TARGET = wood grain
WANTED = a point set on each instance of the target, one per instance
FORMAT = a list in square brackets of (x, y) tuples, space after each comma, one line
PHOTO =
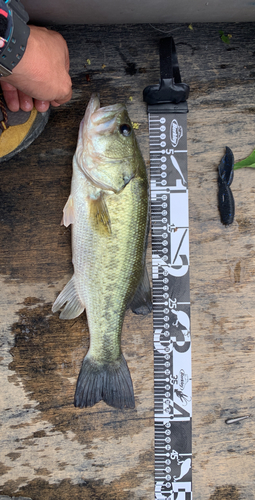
[(49, 449)]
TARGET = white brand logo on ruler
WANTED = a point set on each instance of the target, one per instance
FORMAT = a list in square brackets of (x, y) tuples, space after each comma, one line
[(176, 132)]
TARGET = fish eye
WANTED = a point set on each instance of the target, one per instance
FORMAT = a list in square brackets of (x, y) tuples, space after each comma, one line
[(125, 129)]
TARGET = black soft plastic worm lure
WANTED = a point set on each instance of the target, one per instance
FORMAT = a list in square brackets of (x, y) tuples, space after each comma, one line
[(225, 196)]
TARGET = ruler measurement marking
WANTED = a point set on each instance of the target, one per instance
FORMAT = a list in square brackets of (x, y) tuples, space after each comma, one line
[(170, 263)]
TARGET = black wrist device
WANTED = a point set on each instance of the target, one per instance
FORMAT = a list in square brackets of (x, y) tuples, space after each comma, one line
[(17, 41)]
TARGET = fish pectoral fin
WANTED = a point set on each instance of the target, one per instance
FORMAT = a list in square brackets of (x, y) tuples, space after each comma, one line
[(100, 215), (68, 212), (141, 303), (68, 296)]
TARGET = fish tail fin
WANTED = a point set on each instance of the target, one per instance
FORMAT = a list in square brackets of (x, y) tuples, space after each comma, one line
[(110, 382), (68, 296)]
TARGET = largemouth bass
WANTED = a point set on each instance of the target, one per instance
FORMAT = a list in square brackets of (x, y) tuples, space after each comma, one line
[(108, 210)]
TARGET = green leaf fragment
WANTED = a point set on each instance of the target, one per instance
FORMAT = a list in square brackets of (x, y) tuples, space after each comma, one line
[(224, 38), (247, 162)]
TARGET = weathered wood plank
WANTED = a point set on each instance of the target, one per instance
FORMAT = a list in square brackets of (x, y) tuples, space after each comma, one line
[(49, 449)]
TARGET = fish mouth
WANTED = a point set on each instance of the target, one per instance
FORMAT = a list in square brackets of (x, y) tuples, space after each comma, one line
[(106, 112), (102, 120)]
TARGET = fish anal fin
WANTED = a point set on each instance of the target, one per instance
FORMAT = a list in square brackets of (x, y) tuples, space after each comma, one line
[(141, 302), (68, 212), (110, 382), (68, 297), (99, 214)]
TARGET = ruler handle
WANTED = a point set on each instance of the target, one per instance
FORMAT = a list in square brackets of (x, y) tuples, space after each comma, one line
[(169, 67), (170, 88)]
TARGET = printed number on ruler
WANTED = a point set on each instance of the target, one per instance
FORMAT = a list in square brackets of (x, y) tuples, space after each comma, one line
[(171, 306)]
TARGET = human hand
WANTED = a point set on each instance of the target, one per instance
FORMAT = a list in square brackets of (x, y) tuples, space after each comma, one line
[(41, 77)]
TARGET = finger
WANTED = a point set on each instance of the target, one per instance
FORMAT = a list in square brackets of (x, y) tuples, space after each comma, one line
[(11, 96), (64, 99), (25, 101), (41, 106), (55, 104), (7, 86)]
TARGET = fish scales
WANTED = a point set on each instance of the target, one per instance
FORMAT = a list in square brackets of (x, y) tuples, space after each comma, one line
[(108, 209), (109, 267)]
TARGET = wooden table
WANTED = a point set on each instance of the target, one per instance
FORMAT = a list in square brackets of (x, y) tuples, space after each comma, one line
[(49, 449)]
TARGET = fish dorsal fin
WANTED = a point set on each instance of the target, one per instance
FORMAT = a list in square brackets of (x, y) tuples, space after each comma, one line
[(68, 212), (141, 303), (99, 214)]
